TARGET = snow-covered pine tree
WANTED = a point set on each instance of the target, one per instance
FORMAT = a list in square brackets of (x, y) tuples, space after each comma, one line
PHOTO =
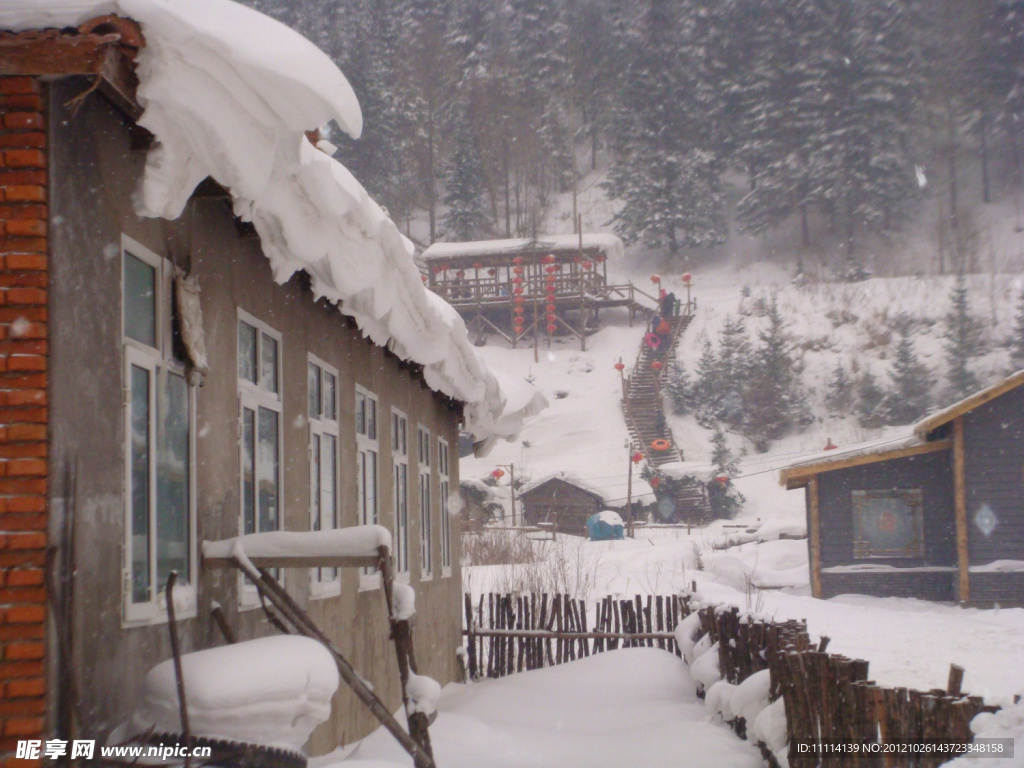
[(706, 386), (870, 402), (466, 217), (678, 388), (773, 400), (962, 342), (839, 392), (723, 496), (1017, 340), (666, 137), (733, 365), (908, 399)]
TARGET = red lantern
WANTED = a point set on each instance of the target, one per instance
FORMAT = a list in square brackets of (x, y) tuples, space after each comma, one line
[(552, 317), (550, 308), (423, 278), (549, 259), (655, 482), (517, 280), (492, 271), (637, 457), (601, 258), (517, 260), (551, 269), (518, 310), (498, 474), (517, 290), (477, 265), (550, 297), (517, 299), (588, 265), (517, 270), (445, 267), (686, 277), (552, 327), (655, 279), (722, 479), (620, 366), (657, 365), (438, 270)]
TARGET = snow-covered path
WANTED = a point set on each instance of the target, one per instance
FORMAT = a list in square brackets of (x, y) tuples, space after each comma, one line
[(631, 707)]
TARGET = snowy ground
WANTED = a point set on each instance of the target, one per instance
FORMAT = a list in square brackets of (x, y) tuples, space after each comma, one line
[(632, 707)]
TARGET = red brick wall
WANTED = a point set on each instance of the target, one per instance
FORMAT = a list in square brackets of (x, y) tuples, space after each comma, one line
[(23, 412)]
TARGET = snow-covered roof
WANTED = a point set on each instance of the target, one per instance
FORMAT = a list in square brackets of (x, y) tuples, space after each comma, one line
[(969, 403), (640, 490), (609, 245), (565, 477), (837, 458), (229, 94)]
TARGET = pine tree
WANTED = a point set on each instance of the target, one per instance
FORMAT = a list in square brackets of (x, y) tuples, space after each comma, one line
[(706, 387), (774, 400), (724, 498), (1017, 341), (870, 402), (466, 216), (962, 342), (733, 364), (668, 153), (679, 389), (839, 394), (909, 397)]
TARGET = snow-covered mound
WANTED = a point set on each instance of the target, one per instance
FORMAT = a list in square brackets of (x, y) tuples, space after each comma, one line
[(272, 691), (229, 94)]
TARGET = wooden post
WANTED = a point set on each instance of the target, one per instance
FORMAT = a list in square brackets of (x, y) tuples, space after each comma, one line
[(960, 509), (512, 489), (814, 536), (629, 495), (179, 674), (956, 679)]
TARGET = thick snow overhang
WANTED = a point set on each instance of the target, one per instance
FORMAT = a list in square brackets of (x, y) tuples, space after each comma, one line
[(229, 95), (798, 475), (932, 422)]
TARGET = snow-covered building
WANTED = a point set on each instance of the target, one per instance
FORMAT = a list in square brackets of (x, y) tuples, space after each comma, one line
[(209, 329), (936, 514), (563, 501)]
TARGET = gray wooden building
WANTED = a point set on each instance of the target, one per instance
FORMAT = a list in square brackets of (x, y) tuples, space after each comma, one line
[(937, 515), (562, 501)]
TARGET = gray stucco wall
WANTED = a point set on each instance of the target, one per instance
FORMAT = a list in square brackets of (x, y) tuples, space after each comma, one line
[(932, 473), (94, 173)]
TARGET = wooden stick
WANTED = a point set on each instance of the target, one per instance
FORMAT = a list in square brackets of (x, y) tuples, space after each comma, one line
[(179, 676), (956, 679), (562, 635), (222, 624)]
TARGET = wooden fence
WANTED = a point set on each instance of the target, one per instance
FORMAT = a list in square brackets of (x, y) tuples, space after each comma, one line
[(828, 697), (514, 633)]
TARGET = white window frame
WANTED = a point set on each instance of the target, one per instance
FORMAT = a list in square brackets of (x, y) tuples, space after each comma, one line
[(156, 360), (324, 582), (444, 499), (400, 477), (252, 397), (423, 467), (369, 578)]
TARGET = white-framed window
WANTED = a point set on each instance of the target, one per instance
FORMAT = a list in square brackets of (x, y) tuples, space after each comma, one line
[(322, 411), (400, 463), (426, 526), (444, 484), (159, 423), (260, 436), (367, 453)]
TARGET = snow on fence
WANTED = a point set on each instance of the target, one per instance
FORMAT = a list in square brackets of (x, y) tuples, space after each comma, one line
[(514, 633), (824, 697)]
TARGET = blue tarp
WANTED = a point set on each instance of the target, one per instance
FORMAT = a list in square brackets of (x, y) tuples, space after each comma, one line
[(605, 529)]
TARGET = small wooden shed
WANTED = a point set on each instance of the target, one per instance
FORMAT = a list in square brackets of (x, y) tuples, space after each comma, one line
[(562, 500), (937, 514)]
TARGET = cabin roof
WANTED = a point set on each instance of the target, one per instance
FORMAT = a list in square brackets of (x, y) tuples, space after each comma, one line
[(608, 245), (969, 403), (566, 478)]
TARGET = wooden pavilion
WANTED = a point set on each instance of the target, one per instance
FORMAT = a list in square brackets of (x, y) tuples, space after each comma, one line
[(542, 286)]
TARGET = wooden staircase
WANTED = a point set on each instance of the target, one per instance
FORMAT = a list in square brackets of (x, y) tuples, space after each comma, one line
[(645, 418)]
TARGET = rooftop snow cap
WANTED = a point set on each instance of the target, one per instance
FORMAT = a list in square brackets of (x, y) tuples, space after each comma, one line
[(229, 93)]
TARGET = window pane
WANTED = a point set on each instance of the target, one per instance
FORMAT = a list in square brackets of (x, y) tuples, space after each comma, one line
[(425, 530), (329, 481), (313, 385), (172, 489), (371, 419), (267, 469), (139, 300), (268, 363), (249, 470), (246, 352), (140, 458), (371, 488), (360, 414), (401, 518), (314, 483), (330, 397), (446, 535)]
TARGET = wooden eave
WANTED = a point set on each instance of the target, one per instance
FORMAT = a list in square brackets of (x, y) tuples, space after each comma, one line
[(930, 424), (536, 488), (798, 477), (104, 47)]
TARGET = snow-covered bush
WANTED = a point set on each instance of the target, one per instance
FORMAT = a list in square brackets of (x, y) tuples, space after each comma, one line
[(769, 728)]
